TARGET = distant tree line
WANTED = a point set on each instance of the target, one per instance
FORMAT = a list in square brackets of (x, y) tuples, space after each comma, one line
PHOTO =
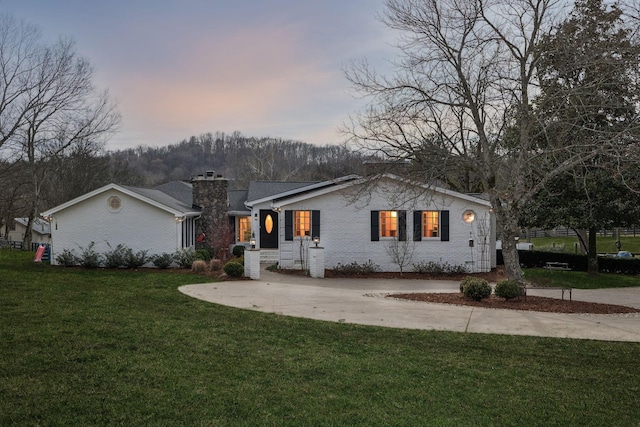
[(240, 159)]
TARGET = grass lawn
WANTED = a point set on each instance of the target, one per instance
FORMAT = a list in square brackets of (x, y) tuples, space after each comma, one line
[(579, 279), (604, 244), (93, 347)]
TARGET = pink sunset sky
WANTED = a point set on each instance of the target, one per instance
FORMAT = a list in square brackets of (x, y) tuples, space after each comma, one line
[(184, 67)]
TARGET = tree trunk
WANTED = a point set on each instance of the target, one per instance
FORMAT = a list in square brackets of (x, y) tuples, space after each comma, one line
[(510, 231), (592, 254), (28, 234)]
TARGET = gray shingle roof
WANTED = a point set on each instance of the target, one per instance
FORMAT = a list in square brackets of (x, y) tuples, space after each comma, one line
[(236, 201), (262, 189), (165, 198)]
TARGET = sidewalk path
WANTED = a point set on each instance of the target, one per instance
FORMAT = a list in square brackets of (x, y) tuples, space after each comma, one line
[(361, 301)]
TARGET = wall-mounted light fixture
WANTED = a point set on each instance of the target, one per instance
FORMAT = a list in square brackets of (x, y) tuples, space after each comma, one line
[(252, 241), (316, 240), (468, 216)]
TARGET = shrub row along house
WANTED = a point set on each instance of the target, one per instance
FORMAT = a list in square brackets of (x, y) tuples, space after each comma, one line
[(386, 221)]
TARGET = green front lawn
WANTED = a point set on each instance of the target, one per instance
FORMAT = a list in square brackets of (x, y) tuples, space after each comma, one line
[(94, 347), (579, 279), (605, 245)]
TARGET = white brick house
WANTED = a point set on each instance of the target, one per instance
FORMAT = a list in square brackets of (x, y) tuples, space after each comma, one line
[(356, 220), (363, 221)]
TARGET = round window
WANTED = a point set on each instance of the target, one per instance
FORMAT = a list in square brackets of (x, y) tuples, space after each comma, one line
[(114, 203)]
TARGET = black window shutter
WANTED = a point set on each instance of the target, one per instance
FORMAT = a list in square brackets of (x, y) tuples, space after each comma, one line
[(402, 226), (444, 226), (375, 226), (315, 224), (417, 226), (288, 225)]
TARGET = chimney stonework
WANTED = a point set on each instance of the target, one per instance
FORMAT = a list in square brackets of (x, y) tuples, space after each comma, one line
[(210, 194)]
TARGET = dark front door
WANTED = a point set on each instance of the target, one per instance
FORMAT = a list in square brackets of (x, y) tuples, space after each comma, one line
[(268, 229)]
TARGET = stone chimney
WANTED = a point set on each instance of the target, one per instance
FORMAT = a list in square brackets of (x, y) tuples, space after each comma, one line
[(210, 194)]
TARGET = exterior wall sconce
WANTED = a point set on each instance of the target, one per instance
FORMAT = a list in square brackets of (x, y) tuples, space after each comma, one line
[(252, 242), (316, 241)]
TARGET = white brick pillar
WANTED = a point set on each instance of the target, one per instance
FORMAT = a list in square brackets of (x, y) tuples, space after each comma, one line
[(252, 263), (316, 262)]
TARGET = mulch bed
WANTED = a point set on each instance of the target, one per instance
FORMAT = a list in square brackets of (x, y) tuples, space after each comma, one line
[(532, 303)]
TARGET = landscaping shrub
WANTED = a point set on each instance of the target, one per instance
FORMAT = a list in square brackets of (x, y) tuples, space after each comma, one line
[(162, 260), (89, 257), (507, 289), (233, 269), (185, 257), (68, 258), (354, 269), (475, 288), (238, 250), (204, 254), (215, 265), (115, 257), (432, 267), (137, 259), (199, 266)]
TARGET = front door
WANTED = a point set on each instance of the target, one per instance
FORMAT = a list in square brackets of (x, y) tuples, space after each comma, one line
[(268, 229)]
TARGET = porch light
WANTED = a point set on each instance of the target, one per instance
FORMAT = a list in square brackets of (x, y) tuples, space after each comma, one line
[(316, 240), (252, 241)]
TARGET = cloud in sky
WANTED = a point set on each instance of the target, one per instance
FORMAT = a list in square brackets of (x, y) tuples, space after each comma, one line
[(181, 68)]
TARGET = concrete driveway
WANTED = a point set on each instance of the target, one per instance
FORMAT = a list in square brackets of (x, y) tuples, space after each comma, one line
[(362, 301)]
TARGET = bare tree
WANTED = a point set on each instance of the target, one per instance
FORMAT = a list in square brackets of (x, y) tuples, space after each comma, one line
[(49, 106), (401, 252), (461, 97), (65, 114)]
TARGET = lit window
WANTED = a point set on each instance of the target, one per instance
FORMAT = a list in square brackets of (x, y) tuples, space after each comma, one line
[(114, 203), (302, 223), (388, 223), (244, 228), (430, 224)]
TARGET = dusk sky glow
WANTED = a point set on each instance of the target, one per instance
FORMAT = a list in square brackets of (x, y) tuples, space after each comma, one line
[(184, 67)]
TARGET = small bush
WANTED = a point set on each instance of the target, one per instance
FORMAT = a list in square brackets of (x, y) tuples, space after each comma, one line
[(204, 254), (137, 259), (215, 265), (475, 288), (185, 257), (68, 258), (233, 269), (238, 250), (507, 289), (89, 257), (162, 260), (432, 267), (199, 266), (355, 269), (115, 257)]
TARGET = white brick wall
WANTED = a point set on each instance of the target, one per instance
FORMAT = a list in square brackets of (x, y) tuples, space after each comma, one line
[(137, 225), (345, 230)]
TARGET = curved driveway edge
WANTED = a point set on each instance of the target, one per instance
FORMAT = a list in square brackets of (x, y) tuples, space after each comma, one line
[(362, 301)]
